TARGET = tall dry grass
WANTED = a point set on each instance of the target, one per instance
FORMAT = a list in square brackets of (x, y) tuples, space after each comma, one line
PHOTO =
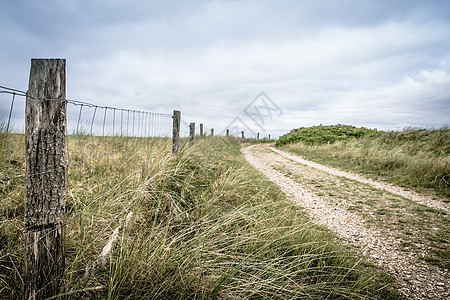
[(204, 225)]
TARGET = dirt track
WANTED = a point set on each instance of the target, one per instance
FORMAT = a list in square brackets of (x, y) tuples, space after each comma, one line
[(334, 198)]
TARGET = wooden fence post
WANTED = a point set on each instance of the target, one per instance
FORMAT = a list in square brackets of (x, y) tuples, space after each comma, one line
[(45, 127), (269, 136), (228, 132), (242, 134), (176, 131), (191, 133), (257, 136), (201, 129), (212, 131)]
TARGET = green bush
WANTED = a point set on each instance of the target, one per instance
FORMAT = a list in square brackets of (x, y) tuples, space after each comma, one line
[(319, 135)]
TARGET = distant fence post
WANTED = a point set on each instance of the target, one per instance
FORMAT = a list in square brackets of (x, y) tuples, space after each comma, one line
[(176, 131), (228, 132), (257, 136), (269, 136), (45, 127), (191, 133), (201, 129), (242, 134), (212, 131)]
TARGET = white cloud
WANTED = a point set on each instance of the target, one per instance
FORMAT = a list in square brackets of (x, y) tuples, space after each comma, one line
[(375, 64)]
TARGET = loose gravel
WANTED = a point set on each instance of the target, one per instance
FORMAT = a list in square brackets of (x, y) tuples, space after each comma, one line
[(427, 201), (415, 278)]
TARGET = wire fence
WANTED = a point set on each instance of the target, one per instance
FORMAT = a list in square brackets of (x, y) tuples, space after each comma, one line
[(71, 174), (184, 128), (102, 144)]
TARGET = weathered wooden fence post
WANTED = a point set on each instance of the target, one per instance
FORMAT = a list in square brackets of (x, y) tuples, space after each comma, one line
[(201, 129), (228, 132), (269, 136), (212, 131), (176, 131), (242, 134), (45, 127), (257, 136), (191, 133)]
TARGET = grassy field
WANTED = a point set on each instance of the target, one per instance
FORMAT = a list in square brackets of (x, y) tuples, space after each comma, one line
[(413, 158), (204, 225)]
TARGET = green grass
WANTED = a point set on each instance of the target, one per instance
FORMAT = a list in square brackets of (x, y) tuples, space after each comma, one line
[(319, 135), (205, 225), (412, 158)]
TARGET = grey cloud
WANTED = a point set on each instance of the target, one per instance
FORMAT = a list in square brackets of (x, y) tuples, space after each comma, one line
[(327, 61)]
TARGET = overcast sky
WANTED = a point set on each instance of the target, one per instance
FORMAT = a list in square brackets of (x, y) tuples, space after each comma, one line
[(379, 64)]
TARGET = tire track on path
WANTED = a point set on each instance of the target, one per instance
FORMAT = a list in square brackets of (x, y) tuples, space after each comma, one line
[(416, 279), (427, 201)]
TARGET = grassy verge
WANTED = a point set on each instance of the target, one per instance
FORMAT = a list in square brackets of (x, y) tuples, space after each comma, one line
[(205, 225), (415, 159)]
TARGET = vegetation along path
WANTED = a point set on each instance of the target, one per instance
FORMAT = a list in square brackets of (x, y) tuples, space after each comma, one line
[(402, 232)]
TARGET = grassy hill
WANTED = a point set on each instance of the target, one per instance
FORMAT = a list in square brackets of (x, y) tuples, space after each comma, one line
[(318, 135)]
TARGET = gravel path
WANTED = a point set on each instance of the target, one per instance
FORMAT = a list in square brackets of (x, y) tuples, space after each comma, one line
[(416, 279), (433, 203)]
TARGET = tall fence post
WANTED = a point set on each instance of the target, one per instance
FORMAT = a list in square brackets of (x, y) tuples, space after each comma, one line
[(191, 133), (228, 132), (257, 136), (242, 133), (45, 127), (176, 131), (201, 129), (212, 131)]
